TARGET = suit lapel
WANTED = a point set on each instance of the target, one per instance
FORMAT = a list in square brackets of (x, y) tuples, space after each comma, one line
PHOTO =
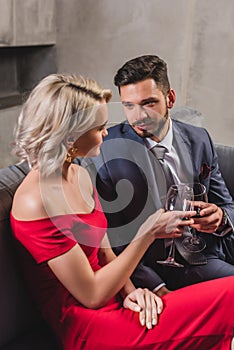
[(183, 147), (148, 164)]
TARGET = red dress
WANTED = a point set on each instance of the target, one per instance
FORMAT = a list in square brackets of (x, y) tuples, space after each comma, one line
[(196, 317)]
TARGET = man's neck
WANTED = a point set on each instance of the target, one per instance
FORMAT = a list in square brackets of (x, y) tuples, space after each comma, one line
[(163, 132)]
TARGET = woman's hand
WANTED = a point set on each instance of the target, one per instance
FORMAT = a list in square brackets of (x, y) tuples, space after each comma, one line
[(168, 224), (147, 304)]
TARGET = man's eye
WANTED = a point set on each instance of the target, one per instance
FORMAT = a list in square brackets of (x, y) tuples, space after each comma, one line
[(128, 105), (150, 104)]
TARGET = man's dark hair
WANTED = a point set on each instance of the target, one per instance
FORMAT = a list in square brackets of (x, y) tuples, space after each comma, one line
[(141, 68)]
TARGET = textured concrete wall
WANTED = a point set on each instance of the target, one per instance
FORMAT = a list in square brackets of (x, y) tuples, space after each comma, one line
[(211, 69), (195, 37), (27, 22), (6, 21), (24, 24), (7, 123), (101, 35)]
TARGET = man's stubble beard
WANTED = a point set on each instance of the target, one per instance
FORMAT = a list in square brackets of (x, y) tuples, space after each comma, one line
[(161, 125)]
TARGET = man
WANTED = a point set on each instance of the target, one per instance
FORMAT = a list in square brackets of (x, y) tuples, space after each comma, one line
[(132, 182)]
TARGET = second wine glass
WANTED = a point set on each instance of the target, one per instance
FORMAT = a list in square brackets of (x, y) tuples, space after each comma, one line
[(179, 197), (196, 243)]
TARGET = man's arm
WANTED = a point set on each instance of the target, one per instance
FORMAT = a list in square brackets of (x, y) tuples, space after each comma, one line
[(218, 215), (144, 276), (206, 168)]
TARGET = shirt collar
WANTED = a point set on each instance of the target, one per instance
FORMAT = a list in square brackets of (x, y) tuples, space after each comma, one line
[(166, 141)]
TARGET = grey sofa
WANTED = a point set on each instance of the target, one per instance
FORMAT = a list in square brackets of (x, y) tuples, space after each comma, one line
[(226, 164), (21, 327)]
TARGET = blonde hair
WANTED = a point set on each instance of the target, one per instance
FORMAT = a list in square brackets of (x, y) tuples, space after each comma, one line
[(58, 105)]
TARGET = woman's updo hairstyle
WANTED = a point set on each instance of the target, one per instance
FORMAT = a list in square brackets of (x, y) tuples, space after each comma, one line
[(57, 106)]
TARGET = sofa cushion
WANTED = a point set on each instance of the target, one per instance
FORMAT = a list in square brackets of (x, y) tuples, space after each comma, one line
[(10, 178), (21, 326)]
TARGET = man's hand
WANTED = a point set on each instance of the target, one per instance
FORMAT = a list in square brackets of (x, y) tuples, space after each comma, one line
[(162, 291), (147, 304), (210, 217)]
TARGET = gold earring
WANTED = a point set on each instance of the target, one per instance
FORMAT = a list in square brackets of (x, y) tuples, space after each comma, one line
[(70, 155)]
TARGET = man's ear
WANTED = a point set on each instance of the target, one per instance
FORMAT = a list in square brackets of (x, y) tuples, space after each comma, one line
[(170, 98)]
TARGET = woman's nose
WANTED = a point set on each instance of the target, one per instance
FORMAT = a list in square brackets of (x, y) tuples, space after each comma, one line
[(105, 133)]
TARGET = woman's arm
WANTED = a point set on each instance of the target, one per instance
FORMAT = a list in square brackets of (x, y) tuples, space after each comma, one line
[(143, 301), (106, 255), (94, 289)]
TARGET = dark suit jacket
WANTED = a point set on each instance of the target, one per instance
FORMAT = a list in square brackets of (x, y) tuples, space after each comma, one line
[(131, 186)]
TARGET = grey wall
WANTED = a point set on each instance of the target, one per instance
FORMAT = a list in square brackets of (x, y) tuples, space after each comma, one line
[(195, 37), (27, 36)]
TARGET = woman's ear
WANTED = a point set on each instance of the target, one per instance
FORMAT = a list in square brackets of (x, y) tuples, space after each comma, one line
[(171, 97), (69, 141)]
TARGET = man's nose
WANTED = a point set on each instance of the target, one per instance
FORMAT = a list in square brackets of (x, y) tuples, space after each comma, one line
[(140, 112)]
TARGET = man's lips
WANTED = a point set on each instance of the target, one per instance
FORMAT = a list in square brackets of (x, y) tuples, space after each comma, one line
[(143, 125)]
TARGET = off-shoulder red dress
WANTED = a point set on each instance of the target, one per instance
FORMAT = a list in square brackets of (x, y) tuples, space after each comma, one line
[(196, 317)]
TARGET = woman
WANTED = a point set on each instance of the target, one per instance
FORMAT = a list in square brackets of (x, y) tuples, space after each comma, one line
[(83, 290)]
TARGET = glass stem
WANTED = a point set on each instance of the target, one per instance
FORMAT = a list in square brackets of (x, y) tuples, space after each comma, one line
[(194, 238), (171, 254)]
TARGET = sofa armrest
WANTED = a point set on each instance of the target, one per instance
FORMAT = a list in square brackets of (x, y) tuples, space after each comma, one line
[(21, 326), (226, 161)]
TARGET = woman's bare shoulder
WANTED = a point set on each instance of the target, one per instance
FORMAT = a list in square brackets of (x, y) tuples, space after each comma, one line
[(27, 202)]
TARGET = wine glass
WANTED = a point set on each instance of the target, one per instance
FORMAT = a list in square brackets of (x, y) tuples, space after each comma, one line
[(179, 197), (195, 243)]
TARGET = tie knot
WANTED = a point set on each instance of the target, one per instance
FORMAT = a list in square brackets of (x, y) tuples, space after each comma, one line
[(159, 152)]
